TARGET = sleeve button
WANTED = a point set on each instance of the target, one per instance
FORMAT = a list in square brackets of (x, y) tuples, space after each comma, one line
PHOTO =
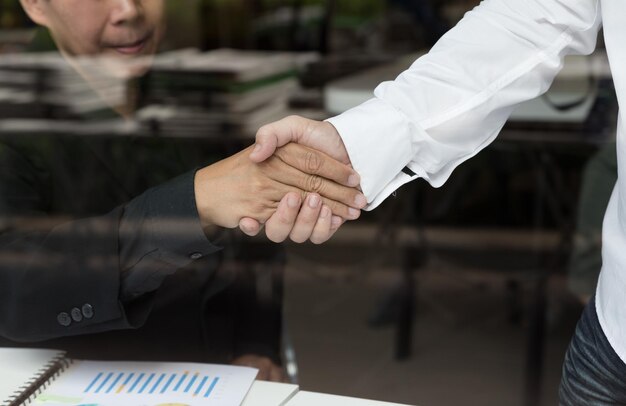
[(64, 319), (87, 311), (196, 255), (77, 315)]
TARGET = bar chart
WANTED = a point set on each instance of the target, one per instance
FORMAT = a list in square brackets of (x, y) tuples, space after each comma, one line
[(147, 383), (189, 383)]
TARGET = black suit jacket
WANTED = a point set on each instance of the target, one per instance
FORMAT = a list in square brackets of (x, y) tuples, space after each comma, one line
[(100, 255)]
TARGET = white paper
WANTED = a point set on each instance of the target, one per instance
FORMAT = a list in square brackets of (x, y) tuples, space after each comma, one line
[(94, 383)]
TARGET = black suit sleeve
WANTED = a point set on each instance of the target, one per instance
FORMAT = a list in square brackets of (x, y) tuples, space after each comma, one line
[(159, 233), (84, 276)]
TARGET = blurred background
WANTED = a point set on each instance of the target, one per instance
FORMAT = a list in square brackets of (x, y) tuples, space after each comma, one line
[(466, 294)]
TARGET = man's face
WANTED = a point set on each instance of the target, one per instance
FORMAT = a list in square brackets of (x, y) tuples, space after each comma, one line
[(126, 32)]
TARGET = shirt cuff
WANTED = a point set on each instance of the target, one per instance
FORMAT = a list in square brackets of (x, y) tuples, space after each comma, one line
[(378, 140)]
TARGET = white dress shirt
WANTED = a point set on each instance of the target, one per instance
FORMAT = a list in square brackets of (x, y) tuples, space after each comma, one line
[(452, 102)]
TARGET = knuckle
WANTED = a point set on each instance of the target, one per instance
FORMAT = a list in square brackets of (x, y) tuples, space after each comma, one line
[(312, 162), (314, 183), (292, 118), (303, 195)]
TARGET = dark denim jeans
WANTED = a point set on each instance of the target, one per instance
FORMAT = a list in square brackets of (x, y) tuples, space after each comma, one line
[(593, 374)]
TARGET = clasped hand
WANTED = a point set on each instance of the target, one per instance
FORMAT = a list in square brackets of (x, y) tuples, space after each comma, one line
[(297, 192)]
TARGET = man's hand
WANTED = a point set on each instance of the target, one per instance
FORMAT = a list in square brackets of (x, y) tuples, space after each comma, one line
[(290, 221), (268, 371), (236, 187), (319, 135)]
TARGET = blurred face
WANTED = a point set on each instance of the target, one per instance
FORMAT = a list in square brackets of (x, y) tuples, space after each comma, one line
[(125, 32)]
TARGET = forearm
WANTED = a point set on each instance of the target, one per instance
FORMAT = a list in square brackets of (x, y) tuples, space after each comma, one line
[(160, 232), (105, 262)]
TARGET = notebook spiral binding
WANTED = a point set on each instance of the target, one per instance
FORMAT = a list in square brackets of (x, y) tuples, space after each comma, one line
[(46, 375)]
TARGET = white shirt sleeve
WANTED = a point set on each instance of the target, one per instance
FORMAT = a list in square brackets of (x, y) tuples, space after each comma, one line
[(453, 101)]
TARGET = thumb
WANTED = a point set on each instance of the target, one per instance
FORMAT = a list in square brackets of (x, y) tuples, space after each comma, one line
[(249, 226), (275, 135)]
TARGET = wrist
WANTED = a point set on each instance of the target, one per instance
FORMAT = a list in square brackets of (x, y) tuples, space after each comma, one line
[(202, 182), (333, 138)]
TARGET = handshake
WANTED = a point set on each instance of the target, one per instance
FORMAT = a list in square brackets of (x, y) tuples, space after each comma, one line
[(296, 181)]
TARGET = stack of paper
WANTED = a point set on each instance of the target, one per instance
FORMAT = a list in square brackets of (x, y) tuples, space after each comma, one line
[(219, 92), (44, 85)]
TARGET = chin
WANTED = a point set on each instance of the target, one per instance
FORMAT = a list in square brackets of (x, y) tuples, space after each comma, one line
[(136, 70), (129, 68)]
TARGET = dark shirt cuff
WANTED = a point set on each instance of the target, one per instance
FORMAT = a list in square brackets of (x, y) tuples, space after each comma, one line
[(160, 233)]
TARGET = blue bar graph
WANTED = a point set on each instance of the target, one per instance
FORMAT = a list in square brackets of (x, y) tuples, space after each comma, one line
[(156, 383)]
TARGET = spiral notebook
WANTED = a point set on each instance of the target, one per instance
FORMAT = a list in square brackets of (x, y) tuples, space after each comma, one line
[(48, 378), (24, 372)]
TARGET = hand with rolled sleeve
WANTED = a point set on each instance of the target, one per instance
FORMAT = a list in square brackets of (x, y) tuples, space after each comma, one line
[(300, 182)]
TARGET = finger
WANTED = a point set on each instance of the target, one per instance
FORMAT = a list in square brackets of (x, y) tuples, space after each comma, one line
[(321, 232), (341, 210), (279, 225), (307, 218), (286, 174), (263, 374), (276, 191), (274, 135), (336, 222), (249, 226), (276, 374), (314, 162)]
